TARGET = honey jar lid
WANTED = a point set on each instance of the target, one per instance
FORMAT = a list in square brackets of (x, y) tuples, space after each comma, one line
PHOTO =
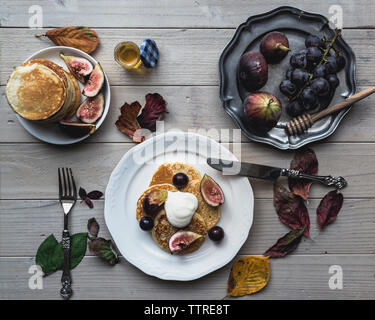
[(149, 53)]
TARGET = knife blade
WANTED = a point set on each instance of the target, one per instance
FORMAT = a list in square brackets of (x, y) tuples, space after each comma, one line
[(246, 169), (260, 171)]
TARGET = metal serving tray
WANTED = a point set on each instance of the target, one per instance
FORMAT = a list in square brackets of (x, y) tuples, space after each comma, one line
[(296, 24)]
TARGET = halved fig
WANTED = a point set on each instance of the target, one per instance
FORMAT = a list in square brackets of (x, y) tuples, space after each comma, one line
[(79, 67), (76, 129), (95, 82), (91, 109), (153, 201), (181, 240), (211, 191)]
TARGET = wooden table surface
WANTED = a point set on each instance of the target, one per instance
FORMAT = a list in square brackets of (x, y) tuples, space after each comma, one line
[(191, 36)]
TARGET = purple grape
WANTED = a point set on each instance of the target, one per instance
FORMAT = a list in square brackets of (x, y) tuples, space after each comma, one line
[(313, 41), (319, 71), (320, 86), (331, 65), (288, 88), (146, 223), (299, 77), (298, 60), (334, 82), (309, 98), (180, 180), (216, 233), (295, 108), (341, 62), (313, 55)]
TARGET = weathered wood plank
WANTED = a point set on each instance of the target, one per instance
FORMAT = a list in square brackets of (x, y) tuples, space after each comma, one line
[(28, 171), (187, 57), (182, 13), (190, 108), (293, 277), (352, 233)]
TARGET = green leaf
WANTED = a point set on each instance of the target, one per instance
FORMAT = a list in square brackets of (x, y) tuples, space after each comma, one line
[(44, 255), (77, 251)]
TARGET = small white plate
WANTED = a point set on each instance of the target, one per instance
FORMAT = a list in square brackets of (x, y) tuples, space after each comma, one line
[(132, 176), (51, 133)]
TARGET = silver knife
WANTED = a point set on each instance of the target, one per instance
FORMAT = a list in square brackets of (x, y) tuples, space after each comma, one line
[(259, 171)]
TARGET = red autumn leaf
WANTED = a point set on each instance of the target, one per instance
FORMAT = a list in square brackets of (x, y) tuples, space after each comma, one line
[(304, 160), (127, 121), (291, 209), (154, 110), (95, 195), (329, 208), (286, 244)]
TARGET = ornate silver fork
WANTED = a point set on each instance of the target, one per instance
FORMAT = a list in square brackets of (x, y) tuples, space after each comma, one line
[(68, 197)]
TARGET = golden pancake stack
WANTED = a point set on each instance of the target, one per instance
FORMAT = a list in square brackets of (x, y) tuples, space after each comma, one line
[(43, 91), (204, 218)]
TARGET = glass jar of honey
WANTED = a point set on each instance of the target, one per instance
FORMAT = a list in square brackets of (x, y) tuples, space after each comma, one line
[(127, 55)]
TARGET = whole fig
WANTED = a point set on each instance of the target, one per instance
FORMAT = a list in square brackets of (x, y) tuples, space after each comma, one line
[(253, 70), (262, 110), (274, 46)]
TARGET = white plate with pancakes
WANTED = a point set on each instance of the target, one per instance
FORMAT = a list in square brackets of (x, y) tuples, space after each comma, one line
[(131, 178), (50, 132)]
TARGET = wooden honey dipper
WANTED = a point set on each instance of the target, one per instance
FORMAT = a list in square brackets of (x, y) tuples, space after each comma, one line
[(302, 123)]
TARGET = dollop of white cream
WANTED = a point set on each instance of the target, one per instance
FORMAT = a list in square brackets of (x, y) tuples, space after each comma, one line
[(180, 208)]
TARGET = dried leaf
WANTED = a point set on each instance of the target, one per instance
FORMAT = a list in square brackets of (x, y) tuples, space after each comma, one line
[(154, 110), (89, 203), (104, 249), (290, 209), (248, 275), (127, 121), (286, 244), (82, 193), (95, 195), (328, 208), (93, 228), (304, 160), (79, 37)]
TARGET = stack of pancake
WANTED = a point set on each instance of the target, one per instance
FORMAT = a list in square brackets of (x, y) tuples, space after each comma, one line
[(43, 91), (204, 218)]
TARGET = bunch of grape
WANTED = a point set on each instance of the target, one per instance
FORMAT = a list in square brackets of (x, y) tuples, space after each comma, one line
[(311, 79)]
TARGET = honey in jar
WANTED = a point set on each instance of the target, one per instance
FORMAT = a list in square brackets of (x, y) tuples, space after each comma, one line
[(127, 55)]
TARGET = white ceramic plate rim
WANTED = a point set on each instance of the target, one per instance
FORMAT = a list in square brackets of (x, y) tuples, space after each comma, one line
[(58, 49), (128, 249)]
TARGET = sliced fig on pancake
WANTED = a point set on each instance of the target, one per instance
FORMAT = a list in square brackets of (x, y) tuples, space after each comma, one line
[(181, 240), (79, 67), (76, 129), (91, 109), (153, 202), (211, 191), (95, 82)]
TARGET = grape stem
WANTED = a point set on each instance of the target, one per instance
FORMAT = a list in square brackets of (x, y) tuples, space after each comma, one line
[(324, 59)]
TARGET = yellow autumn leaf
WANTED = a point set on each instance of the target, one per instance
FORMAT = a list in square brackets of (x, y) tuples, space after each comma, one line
[(248, 275)]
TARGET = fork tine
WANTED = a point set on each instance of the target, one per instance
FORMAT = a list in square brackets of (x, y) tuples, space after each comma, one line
[(60, 185), (73, 183), (69, 186), (64, 182)]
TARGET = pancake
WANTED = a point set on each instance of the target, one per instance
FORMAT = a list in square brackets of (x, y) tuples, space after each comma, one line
[(35, 92), (165, 173), (163, 231), (211, 215), (42, 90), (163, 186), (71, 85), (77, 101)]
